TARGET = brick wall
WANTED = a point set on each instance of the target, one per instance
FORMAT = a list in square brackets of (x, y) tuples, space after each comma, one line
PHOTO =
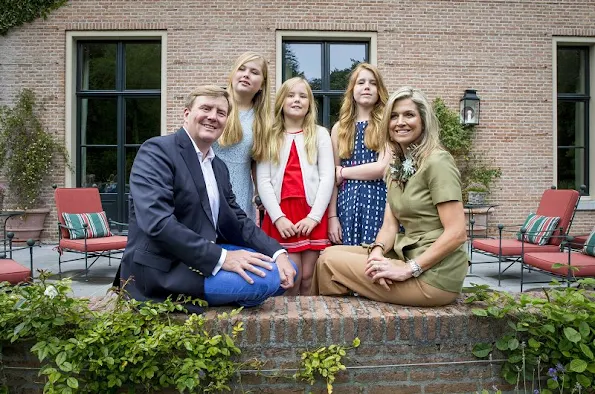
[(501, 48), (403, 350)]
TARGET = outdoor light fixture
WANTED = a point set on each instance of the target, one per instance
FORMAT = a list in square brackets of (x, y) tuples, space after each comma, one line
[(469, 108)]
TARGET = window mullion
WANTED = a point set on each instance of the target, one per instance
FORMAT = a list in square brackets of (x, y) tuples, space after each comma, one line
[(326, 69)]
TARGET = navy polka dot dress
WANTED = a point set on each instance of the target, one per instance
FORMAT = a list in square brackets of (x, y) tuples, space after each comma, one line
[(360, 204)]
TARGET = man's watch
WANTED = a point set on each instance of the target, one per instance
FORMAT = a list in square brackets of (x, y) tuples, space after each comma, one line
[(417, 271)]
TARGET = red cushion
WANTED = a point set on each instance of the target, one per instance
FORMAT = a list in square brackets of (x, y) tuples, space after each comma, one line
[(95, 244), (544, 261), (511, 247), (13, 272), (76, 200), (581, 239), (561, 203)]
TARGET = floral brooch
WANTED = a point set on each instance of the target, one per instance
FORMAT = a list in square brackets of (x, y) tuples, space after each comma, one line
[(402, 170)]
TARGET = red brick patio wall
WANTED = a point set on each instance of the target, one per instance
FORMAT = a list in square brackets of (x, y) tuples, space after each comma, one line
[(403, 350)]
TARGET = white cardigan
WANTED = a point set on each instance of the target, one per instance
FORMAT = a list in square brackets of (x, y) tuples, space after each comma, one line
[(319, 178)]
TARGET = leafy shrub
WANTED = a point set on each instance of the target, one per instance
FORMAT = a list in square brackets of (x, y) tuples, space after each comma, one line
[(458, 140), (27, 150), (132, 345), (551, 338)]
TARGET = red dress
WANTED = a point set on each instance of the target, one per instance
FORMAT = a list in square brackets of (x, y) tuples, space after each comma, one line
[(295, 207)]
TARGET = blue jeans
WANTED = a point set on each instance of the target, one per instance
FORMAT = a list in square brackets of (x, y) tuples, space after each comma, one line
[(227, 287)]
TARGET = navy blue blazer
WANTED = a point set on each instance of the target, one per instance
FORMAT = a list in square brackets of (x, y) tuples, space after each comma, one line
[(172, 240)]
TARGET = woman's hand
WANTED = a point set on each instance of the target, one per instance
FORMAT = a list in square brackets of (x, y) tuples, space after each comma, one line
[(376, 254), (388, 269), (335, 232), (286, 227), (339, 175), (305, 226)]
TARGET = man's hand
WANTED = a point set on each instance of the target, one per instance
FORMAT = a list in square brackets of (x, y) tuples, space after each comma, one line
[(240, 261), (286, 227), (305, 226), (286, 271), (258, 202)]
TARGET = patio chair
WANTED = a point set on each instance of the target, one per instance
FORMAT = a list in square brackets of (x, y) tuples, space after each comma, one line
[(577, 242), (84, 228), (567, 265), (553, 204), (11, 271)]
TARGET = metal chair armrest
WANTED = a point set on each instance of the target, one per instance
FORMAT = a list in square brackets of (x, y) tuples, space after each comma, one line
[(118, 223)]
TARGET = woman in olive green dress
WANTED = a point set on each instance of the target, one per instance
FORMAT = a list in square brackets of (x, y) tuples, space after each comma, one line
[(425, 265)]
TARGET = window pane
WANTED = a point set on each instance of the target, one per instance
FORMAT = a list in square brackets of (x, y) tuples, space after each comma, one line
[(571, 123), (98, 121), (99, 169), (571, 70), (143, 119), (98, 71), (335, 109), (304, 60), (571, 133), (320, 105), (130, 155), (571, 170), (343, 59), (143, 65)]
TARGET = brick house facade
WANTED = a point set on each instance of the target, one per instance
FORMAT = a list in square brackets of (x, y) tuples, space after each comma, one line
[(506, 50)]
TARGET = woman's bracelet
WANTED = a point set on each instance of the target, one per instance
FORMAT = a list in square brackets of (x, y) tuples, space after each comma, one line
[(333, 216), (375, 244), (341, 173)]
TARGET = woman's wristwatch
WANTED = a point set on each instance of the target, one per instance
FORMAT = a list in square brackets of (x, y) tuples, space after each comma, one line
[(417, 271)]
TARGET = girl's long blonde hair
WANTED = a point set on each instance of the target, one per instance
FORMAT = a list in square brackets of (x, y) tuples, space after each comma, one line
[(233, 133), (348, 114), (430, 137), (276, 136)]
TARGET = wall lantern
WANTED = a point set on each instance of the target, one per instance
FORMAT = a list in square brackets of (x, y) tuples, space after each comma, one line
[(469, 108)]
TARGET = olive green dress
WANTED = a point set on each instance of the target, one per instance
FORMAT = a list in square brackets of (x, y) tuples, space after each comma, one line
[(340, 269), (437, 181)]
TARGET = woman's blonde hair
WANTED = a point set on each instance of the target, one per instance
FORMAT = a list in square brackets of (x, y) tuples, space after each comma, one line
[(430, 137), (276, 136), (348, 114), (233, 133)]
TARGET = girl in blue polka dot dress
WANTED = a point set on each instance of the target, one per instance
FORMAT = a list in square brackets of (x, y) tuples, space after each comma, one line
[(361, 158)]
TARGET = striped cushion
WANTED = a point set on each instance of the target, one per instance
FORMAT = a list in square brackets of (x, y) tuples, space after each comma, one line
[(539, 229), (589, 247), (97, 225)]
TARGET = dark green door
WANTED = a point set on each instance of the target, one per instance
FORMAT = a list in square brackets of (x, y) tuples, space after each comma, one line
[(118, 108)]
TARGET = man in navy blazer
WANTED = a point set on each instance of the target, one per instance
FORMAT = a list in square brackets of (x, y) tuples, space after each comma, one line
[(187, 235)]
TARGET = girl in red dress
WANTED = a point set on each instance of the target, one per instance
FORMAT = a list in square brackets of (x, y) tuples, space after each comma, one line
[(296, 182)]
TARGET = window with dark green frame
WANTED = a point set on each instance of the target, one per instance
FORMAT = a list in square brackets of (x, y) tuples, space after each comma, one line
[(118, 93), (326, 66), (573, 116)]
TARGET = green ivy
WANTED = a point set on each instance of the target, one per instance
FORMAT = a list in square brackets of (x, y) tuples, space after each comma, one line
[(27, 150), (131, 345), (324, 362), (17, 13), (550, 343), (458, 140)]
